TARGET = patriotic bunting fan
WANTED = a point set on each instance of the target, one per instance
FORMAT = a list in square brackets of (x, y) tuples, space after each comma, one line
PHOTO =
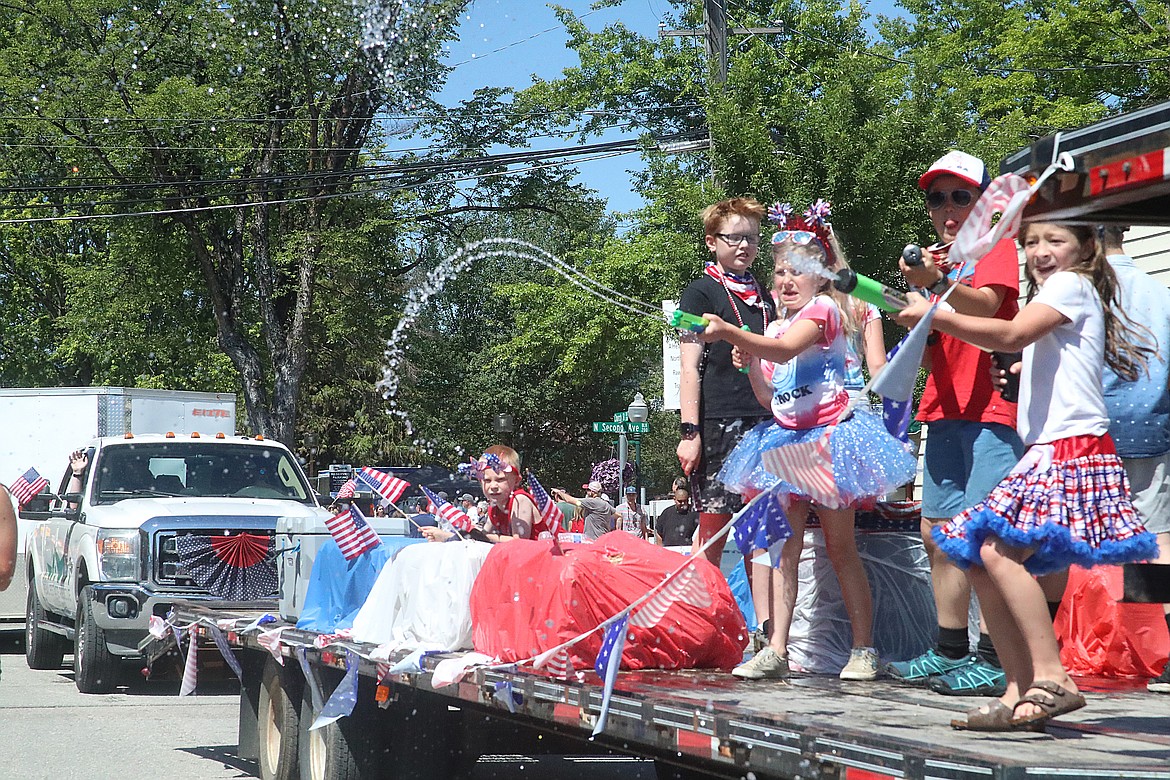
[(239, 567)]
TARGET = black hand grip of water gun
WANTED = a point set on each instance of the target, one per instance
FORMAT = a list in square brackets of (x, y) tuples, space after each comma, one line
[(1004, 361)]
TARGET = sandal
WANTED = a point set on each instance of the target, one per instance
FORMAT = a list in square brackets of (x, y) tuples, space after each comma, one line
[(997, 718), (1054, 701)]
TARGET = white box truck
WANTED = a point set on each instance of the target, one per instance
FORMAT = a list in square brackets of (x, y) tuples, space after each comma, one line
[(40, 426)]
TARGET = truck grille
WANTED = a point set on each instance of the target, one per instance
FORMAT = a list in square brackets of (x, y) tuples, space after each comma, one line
[(168, 570)]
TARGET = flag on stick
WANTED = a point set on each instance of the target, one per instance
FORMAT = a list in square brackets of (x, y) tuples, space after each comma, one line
[(347, 490), (448, 511), (895, 384), (609, 659), (352, 533), (550, 513), (390, 488), (27, 486)]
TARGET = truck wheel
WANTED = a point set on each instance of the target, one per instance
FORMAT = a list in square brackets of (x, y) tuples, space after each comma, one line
[(323, 754), (95, 668), (277, 724), (42, 649)]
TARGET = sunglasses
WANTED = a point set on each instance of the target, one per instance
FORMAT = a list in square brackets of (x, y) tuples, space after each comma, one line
[(800, 237), (735, 239), (937, 199)]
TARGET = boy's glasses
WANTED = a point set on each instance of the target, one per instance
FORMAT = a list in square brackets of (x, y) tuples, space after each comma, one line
[(735, 239), (937, 199), (801, 237)]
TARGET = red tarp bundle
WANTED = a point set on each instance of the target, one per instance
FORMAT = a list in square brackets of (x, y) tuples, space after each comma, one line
[(527, 600), (1101, 637)]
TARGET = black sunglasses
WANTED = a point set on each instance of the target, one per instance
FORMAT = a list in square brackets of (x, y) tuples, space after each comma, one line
[(961, 198)]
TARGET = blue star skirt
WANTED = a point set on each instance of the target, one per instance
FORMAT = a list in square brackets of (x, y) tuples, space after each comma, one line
[(1068, 501), (865, 460)]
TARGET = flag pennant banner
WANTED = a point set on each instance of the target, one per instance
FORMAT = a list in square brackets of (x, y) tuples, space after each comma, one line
[(190, 668), (26, 487), (807, 466), (448, 511), (344, 697), (237, 567), (762, 525), (347, 490), (895, 383), (388, 487), (226, 652), (550, 513), (315, 697), (556, 662), (506, 696), (352, 533), (609, 660), (271, 641), (683, 587), (996, 216)]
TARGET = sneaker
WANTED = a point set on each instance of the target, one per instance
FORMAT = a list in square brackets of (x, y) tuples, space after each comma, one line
[(863, 664), (766, 665), (977, 678), (1161, 683), (918, 671)]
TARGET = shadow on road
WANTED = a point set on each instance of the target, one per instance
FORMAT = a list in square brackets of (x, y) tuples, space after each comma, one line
[(225, 755)]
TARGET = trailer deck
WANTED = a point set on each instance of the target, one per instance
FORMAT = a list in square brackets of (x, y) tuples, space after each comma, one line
[(809, 727)]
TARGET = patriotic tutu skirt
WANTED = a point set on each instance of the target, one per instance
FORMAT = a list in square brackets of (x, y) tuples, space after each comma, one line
[(834, 466), (1068, 501)]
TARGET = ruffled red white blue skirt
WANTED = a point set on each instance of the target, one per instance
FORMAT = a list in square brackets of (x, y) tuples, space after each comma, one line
[(1069, 501)]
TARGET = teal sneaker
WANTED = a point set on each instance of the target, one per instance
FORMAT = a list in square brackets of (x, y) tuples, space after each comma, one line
[(919, 671), (977, 678)]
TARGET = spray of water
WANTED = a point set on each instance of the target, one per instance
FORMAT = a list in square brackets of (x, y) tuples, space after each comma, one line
[(418, 297)]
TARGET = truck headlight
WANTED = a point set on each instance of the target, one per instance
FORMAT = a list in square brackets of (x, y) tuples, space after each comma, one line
[(117, 555)]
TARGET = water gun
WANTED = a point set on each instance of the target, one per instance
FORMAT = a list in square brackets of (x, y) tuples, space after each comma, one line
[(696, 324), (869, 290)]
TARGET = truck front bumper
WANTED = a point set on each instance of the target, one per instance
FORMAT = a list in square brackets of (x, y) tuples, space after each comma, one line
[(123, 610)]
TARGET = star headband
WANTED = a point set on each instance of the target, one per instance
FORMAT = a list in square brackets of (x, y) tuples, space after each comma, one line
[(812, 225), (476, 467)]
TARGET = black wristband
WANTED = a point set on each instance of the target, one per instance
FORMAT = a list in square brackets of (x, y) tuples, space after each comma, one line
[(688, 428)]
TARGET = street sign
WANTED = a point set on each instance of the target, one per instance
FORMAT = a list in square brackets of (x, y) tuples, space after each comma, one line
[(621, 427), (621, 416)]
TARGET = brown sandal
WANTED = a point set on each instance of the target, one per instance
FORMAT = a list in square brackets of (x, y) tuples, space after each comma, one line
[(997, 718), (1054, 701)]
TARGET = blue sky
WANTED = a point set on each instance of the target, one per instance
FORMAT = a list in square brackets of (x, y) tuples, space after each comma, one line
[(504, 43)]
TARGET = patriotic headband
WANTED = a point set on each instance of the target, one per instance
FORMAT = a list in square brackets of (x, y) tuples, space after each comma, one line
[(812, 225), (476, 467)]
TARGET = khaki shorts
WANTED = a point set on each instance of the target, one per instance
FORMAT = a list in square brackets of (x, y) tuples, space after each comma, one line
[(1149, 482)]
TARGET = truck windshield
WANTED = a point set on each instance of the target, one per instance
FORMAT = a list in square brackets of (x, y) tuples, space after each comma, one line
[(182, 468)]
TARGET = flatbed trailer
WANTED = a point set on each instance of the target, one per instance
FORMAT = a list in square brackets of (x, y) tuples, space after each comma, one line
[(691, 724), (1121, 172)]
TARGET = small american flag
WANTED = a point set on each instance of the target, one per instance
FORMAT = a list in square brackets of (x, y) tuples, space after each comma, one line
[(895, 384), (352, 533), (27, 486), (449, 512), (609, 660), (348, 489), (550, 513), (390, 488)]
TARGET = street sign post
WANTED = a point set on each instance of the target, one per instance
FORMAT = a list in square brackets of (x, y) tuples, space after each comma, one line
[(621, 427)]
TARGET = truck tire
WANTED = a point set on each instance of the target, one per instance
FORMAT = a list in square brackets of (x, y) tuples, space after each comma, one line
[(42, 649), (95, 668), (277, 726), (323, 754)]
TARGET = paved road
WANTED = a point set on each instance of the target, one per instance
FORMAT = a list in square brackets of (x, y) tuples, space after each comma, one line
[(49, 730)]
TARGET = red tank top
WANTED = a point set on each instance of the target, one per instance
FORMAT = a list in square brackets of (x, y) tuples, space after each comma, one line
[(501, 519)]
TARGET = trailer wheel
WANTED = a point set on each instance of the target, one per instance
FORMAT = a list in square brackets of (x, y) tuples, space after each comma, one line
[(95, 668), (323, 754), (42, 649), (277, 724)]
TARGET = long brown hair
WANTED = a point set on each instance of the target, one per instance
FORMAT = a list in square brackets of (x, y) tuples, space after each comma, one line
[(1127, 343)]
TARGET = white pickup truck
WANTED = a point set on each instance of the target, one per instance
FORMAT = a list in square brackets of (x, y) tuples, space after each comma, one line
[(108, 557)]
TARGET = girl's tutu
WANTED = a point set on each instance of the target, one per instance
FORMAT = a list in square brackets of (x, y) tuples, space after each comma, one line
[(866, 461), (1068, 500)]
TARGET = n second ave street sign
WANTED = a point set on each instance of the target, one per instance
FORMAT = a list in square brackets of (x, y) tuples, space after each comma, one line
[(621, 427)]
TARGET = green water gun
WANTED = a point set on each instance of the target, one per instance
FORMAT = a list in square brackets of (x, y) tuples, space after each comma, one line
[(696, 324), (870, 290)]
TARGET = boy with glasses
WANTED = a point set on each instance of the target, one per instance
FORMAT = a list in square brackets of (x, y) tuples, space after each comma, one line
[(718, 405), (972, 442)]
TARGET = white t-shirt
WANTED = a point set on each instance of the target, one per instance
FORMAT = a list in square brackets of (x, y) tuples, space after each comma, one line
[(1060, 388)]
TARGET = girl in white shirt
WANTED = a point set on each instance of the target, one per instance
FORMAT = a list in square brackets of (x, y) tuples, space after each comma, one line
[(1067, 500)]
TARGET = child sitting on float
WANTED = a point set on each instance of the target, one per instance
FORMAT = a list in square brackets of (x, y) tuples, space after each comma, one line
[(512, 511)]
